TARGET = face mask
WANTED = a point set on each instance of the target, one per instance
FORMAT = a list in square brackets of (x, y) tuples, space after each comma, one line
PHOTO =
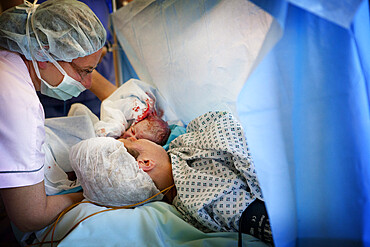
[(67, 89)]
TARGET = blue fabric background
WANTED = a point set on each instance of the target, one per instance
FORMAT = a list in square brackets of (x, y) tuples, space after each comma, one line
[(305, 110)]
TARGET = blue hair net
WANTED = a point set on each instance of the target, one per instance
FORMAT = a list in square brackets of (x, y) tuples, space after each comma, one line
[(65, 29)]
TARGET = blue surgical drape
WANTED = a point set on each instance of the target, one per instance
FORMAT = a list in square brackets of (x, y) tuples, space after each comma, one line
[(305, 109)]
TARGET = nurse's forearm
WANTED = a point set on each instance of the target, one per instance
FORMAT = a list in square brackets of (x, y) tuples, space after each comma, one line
[(101, 87), (30, 209)]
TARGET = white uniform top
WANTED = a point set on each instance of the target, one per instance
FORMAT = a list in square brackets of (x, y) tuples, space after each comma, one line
[(22, 130)]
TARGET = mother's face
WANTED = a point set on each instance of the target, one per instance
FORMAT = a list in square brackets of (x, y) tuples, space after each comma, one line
[(153, 159), (143, 149)]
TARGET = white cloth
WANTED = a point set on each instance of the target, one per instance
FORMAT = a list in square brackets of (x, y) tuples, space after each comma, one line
[(109, 175), (61, 134), (78, 109), (127, 105), (21, 125), (213, 172)]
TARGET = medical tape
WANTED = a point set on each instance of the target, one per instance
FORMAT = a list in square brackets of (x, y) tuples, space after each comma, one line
[(110, 208)]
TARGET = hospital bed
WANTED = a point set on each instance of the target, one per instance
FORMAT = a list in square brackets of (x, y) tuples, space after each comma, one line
[(206, 50)]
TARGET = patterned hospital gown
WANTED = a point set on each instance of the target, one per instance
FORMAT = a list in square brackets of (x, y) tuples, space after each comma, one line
[(213, 172)]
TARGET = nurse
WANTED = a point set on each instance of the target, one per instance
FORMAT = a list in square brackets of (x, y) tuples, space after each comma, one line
[(54, 48)]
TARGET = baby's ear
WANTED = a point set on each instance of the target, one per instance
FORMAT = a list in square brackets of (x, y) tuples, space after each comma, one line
[(146, 165)]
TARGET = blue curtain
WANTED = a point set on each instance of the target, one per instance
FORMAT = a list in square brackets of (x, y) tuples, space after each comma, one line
[(305, 110)]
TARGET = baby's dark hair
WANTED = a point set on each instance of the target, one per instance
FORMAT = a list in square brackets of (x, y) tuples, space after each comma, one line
[(159, 128)]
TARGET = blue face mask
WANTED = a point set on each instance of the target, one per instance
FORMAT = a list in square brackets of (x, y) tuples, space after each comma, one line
[(67, 89)]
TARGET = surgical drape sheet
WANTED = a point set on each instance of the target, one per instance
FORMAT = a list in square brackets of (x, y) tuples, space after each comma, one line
[(192, 49), (306, 113)]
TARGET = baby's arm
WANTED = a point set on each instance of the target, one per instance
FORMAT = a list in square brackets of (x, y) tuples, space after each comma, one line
[(117, 116), (129, 104)]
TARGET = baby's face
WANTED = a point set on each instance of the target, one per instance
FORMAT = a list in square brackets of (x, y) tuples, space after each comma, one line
[(139, 130)]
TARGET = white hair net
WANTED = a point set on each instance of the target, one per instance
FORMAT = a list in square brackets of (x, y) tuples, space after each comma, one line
[(66, 29), (108, 174)]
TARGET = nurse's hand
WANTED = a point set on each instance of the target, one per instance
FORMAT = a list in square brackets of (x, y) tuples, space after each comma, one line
[(30, 209)]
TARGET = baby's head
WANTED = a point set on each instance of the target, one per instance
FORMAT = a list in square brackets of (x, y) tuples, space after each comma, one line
[(152, 128)]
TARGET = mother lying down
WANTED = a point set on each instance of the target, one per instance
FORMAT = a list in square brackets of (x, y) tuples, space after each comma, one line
[(216, 188)]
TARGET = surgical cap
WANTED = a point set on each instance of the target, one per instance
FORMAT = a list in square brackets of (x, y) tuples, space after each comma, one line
[(67, 29), (108, 174)]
